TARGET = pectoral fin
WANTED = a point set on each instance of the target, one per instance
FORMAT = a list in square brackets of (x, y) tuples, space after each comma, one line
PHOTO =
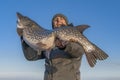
[(29, 53), (40, 45)]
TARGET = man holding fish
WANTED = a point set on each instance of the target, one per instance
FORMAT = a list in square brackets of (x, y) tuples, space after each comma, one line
[(61, 48)]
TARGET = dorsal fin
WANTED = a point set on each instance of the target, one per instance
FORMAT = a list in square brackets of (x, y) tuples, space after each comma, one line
[(81, 28)]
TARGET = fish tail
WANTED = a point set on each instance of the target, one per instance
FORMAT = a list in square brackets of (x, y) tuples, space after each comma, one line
[(96, 54)]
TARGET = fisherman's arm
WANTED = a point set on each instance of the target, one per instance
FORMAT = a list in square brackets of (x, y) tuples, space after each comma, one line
[(74, 49), (29, 53)]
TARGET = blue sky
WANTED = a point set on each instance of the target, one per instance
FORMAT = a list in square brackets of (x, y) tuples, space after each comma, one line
[(102, 15)]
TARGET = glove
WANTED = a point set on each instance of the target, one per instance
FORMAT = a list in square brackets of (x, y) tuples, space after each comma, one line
[(60, 44)]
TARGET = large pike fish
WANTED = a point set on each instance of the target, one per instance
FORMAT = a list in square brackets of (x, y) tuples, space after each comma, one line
[(42, 39)]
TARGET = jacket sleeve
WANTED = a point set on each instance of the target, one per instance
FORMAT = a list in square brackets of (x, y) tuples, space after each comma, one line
[(74, 49), (29, 53)]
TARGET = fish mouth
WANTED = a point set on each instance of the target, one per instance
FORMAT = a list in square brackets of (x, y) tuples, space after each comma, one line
[(19, 16), (19, 25)]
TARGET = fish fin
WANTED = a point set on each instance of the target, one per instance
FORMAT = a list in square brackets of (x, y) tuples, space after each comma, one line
[(91, 59), (31, 54), (81, 28), (100, 54), (40, 45), (95, 55)]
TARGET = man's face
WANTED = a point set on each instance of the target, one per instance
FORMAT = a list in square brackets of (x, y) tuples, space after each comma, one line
[(59, 21)]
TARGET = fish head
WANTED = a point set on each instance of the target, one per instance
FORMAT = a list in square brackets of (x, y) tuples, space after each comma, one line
[(23, 21)]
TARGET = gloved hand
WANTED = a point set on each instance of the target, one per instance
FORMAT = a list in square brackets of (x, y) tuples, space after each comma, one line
[(60, 44)]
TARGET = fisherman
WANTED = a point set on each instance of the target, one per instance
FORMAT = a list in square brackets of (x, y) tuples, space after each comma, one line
[(65, 59), (62, 61)]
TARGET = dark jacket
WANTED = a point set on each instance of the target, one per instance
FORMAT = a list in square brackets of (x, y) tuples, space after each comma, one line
[(62, 65), (29, 53)]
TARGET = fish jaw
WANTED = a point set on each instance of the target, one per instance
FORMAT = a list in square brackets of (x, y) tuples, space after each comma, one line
[(18, 24), (19, 19), (19, 31)]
